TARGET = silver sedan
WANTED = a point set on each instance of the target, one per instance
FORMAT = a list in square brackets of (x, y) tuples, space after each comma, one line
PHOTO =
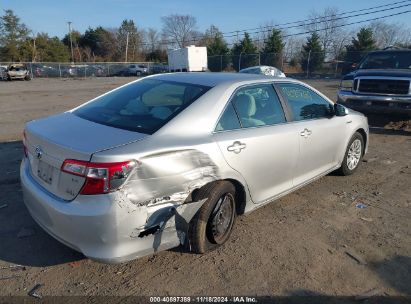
[(173, 159)]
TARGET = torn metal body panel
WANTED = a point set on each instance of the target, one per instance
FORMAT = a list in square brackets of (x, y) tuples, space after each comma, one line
[(169, 177)]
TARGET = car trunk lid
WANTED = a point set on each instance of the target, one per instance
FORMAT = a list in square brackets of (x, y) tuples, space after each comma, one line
[(52, 140)]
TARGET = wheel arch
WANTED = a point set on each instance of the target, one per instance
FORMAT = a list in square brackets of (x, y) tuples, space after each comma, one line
[(240, 193), (240, 196), (364, 137)]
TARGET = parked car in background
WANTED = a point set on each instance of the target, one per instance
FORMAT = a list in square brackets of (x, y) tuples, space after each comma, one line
[(263, 70), (137, 70), (18, 71), (69, 71), (182, 155), (129, 70), (381, 83), (40, 70), (96, 70), (3, 72), (158, 68)]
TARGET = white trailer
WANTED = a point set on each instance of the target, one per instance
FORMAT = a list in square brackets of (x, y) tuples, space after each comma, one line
[(188, 59)]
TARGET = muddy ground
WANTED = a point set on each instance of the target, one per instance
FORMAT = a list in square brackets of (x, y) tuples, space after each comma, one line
[(312, 242)]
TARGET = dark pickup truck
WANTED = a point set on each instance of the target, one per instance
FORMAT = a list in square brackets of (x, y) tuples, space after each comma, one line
[(380, 84)]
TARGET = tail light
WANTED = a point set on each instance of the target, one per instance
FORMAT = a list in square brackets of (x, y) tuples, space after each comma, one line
[(24, 144), (100, 177)]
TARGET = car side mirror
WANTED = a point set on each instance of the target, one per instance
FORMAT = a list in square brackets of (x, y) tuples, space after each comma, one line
[(340, 110)]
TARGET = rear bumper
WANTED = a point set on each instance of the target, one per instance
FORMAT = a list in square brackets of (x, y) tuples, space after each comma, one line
[(102, 227), (375, 103)]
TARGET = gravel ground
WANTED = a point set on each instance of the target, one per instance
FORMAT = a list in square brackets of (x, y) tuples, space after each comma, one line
[(312, 242)]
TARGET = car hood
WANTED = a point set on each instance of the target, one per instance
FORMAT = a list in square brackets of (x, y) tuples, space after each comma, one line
[(382, 73)]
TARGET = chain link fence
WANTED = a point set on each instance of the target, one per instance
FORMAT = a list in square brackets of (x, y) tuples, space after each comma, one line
[(88, 69), (298, 65), (308, 65)]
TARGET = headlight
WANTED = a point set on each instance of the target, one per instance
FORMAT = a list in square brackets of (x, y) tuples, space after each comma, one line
[(346, 84)]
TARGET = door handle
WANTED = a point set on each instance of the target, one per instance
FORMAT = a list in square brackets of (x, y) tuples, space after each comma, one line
[(305, 133), (236, 147)]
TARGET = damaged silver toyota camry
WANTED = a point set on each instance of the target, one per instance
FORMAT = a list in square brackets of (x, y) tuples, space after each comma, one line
[(173, 159)]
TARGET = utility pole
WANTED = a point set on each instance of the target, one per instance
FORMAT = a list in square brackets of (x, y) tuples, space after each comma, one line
[(71, 42), (308, 62), (127, 45), (33, 56)]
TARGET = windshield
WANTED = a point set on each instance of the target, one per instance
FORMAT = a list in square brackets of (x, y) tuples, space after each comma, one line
[(143, 106), (387, 60), (252, 71)]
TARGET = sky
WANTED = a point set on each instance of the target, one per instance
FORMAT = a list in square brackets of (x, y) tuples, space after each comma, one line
[(51, 16)]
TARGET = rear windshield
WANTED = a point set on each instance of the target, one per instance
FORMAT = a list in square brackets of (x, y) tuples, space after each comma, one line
[(143, 106), (387, 60)]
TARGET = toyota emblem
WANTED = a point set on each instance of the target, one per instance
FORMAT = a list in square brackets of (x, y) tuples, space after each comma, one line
[(39, 152)]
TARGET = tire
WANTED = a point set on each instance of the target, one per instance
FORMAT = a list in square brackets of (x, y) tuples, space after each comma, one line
[(353, 149), (27, 78), (205, 234)]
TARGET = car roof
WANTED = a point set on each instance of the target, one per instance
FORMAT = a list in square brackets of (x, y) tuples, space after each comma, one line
[(391, 51), (211, 78), (258, 67)]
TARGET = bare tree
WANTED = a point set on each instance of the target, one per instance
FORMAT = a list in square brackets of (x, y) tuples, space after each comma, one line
[(329, 28), (293, 46), (152, 39), (196, 38), (389, 34), (339, 42), (179, 29)]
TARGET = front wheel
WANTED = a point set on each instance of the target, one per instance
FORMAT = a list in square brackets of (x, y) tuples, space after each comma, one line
[(353, 155), (212, 225)]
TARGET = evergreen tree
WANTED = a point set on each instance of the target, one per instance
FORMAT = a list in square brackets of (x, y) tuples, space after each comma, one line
[(100, 42), (46, 49), (273, 49), (134, 41), (360, 45), (75, 38), (312, 55), (244, 53), (217, 49), (13, 35)]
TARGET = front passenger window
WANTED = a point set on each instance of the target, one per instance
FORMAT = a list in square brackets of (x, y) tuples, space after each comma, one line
[(305, 103)]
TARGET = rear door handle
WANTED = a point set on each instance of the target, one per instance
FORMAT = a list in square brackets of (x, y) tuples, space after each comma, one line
[(236, 147), (305, 133)]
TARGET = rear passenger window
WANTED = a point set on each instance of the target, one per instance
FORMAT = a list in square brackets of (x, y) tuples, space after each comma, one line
[(229, 120), (258, 106), (305, 103)]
